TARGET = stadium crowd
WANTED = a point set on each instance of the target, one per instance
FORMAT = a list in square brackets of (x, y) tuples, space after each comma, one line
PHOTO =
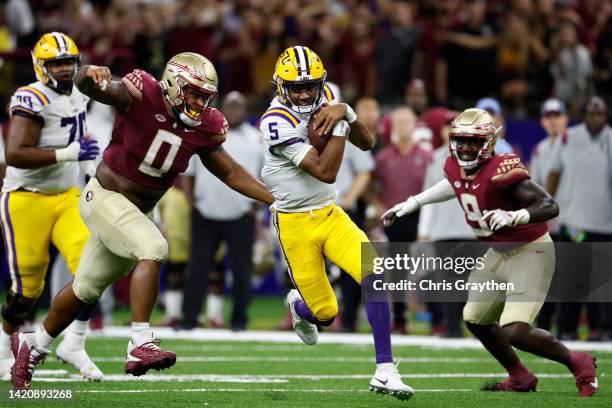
[(406, 67)]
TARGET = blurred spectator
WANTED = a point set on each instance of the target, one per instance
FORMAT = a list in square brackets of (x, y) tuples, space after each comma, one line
[(195, 28), (395, 53), (554, 120), (436, 119), (416, 96), (582, 154), (399, 173), (494, 108), (221, 214), (571, 68), (151, 44), (20, 21)]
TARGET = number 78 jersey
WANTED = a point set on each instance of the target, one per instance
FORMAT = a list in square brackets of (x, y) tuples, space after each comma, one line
[(149, 146), (62, 121), (488, 190)]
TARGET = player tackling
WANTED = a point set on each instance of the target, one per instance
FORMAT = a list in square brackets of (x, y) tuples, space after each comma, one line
[(503, 205), (159, 126), (308, 222)]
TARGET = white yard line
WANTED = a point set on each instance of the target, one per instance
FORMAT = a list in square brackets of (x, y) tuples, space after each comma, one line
[(325, 338), (322, 391)]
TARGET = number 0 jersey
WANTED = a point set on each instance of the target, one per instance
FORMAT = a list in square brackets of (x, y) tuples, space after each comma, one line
[(149, 145), (487, 190), (62, 120)]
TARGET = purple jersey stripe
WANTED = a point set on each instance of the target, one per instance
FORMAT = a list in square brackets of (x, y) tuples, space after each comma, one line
[(279, 115), (292, 141), (37, 97), (10, 225)]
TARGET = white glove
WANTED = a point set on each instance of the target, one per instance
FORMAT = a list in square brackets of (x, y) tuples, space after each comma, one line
[(499, 219), (399, 210)]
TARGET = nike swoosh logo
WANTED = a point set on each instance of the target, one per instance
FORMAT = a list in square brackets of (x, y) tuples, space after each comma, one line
[(387, 380), (595, 383), (475, 186)]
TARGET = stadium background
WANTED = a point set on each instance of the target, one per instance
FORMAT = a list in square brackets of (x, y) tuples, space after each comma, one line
[(510, 50)]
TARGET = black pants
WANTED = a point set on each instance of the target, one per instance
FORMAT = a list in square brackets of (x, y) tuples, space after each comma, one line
[(403, 230), (599, 314), (206, 235)]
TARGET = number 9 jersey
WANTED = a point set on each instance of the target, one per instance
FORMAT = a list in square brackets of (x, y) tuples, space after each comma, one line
[(150, 146), (62, 121)]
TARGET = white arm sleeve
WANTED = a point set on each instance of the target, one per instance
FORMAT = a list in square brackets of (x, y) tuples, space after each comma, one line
[(443, 191), (425, 218)]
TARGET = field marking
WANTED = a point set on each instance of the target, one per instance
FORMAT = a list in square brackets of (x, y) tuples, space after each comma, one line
[(273, 378), (324, 338), (257, 390)]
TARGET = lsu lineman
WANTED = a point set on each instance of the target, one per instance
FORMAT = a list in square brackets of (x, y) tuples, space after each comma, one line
[(309, 224), (39, 201)]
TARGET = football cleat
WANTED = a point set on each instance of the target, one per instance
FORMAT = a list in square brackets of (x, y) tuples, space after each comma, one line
[(583, 367), (27, 357), (79, 359), (526, 383), (148, 356), (387, 380), (305, 330), (5, 368)]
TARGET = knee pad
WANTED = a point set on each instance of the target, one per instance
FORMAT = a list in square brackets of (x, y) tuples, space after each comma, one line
[(87, 290), (15, 309), (326, 314)]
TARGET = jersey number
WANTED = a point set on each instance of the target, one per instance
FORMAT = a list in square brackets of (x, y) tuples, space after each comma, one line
[(148, 164), (75, 122), (473, 213)]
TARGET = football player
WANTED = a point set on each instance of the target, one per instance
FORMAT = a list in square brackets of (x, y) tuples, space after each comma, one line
[(40, 195), (309, 224), (503, 205), (158, 127)]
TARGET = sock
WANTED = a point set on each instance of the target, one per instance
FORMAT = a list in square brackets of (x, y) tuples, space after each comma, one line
[(214, 307), (42, 338), (141, 333), (304, 312), (379, 317), (78, 327), (174, 301), (74, 336), (5, 345), (518, 370)]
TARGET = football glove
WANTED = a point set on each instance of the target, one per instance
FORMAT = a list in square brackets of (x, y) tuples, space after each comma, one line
[(83, 149), (399, 210), (499, 219)]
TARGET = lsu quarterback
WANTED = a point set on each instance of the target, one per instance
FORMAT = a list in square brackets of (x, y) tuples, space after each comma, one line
[(46, 142), (309, 224), (507, 210)]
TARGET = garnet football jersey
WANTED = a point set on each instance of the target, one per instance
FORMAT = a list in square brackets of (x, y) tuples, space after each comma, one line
[(149, 145), (486, 190)]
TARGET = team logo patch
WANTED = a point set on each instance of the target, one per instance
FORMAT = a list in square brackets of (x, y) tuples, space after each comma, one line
[(457, 184), (89, 196), (160, 117)]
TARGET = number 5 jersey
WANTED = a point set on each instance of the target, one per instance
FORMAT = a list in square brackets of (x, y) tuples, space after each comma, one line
[(62, 121)]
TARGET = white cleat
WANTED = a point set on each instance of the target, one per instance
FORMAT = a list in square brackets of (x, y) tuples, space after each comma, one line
[(305, 330), (387, 380), (5, 368), (80, 360)]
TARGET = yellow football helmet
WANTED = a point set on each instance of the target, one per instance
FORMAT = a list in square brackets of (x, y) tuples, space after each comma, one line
[(55, 46), (194, 71), (472, 137), (299, 66)]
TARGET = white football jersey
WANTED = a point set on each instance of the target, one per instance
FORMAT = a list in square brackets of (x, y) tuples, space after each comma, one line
[(286, 136), (63, 121)]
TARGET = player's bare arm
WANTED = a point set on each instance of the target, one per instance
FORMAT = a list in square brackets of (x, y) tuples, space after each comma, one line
[(21, 150), (97, 83), (536, 200), (226, 169), (329, 115), (324, 166)]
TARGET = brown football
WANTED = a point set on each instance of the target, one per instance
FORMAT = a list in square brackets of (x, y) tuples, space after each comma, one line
[(318, 140)]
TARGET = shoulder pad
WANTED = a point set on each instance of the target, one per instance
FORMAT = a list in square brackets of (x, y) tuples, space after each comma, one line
[(28, 99), (329, 94), (510, 170), (283, 113), (135, 83)]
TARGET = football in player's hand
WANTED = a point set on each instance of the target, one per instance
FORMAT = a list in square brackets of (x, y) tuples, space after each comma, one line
[(318, 140)]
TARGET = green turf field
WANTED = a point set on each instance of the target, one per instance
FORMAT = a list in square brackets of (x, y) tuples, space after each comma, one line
[(266, 374)]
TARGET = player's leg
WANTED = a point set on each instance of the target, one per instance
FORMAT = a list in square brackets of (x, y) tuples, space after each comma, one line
[(481, 315), (26, 227), (343, 246), (313, 301), (69, 235), (531, 269)]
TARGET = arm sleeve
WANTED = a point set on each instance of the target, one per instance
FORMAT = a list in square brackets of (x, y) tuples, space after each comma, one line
[(441, 191), (294, 152)]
